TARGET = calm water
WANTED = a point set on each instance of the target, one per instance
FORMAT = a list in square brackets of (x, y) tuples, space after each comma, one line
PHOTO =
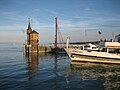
[(52, 72)]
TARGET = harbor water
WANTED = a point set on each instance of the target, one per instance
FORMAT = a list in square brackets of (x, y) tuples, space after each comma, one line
[(19, 71)]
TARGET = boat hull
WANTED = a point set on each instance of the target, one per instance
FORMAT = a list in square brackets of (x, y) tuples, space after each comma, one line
[(93, 57), (80, 58)]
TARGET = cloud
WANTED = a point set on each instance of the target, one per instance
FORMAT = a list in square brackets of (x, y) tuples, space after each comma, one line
[(13, 15), (55, 12), (111, 25), (36, 10), (12, 27), (72, 25)]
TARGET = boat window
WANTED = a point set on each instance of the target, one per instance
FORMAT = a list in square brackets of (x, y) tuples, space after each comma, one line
[(93, 47), (104, 50)]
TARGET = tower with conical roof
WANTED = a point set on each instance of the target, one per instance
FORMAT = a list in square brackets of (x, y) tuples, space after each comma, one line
[(32, 39), (29, 31)]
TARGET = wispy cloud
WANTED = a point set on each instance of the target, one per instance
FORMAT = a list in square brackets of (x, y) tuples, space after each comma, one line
[(13, 15), (12, 28), (72, 25), (36, 10), (111, 25), (55, 12)]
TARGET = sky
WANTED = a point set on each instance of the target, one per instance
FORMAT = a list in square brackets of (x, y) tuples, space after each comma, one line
[(80, 19)]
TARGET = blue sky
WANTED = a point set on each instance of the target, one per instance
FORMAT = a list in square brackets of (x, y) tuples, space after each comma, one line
[(81, 19)]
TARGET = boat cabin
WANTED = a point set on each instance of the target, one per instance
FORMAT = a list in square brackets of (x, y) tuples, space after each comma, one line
[(90, 47), (110, 47)]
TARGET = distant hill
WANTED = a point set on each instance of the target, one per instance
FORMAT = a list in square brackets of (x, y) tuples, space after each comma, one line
[(93, 42)]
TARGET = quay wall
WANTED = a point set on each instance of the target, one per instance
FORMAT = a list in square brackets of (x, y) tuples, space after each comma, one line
[(40, 49)]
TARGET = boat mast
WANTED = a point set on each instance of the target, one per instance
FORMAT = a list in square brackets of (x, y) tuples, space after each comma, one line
[(56, 30)]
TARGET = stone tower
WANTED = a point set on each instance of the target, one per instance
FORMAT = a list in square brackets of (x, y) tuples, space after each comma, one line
[(29, 31), (32, 39)]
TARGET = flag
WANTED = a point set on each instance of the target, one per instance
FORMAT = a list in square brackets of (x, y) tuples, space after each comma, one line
[(99, 32)]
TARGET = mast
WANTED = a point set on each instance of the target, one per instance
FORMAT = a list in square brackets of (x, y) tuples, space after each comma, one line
[(56, 30)]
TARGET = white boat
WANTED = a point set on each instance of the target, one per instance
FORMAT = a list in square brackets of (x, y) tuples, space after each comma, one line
[(108, 56)]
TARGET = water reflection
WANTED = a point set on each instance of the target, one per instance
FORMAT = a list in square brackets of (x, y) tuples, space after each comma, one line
[(108, 75), (32, 64), (59, 78), (55, 64), (55, 72)]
